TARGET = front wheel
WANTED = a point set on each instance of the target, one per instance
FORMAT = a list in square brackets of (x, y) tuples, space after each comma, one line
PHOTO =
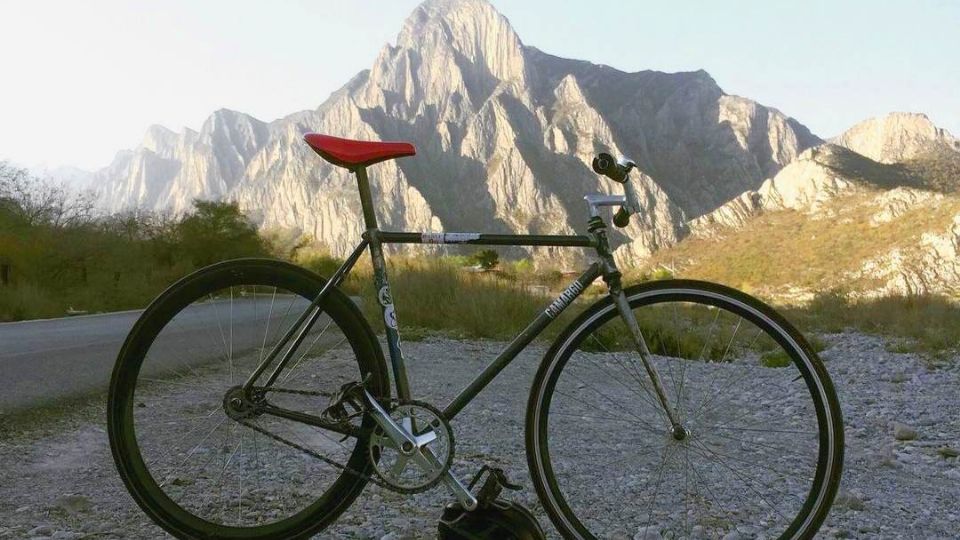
[(759, 447)]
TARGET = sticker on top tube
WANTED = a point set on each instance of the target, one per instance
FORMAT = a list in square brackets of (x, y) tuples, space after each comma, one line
[(448, 238)]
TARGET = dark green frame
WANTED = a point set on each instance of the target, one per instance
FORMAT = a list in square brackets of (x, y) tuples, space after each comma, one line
[(374, 239)]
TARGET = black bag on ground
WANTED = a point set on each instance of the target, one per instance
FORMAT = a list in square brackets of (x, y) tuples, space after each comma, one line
[(493, 519)]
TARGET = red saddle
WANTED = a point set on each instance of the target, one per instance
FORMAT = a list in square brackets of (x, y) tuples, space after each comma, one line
[(351, 154)]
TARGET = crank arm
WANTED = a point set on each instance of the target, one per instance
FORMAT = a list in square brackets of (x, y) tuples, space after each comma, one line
[(401, 435), (463, 495), (466, 499)]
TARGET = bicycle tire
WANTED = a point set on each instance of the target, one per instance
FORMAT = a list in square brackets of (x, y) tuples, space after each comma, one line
[(121, 401), (829, 419)]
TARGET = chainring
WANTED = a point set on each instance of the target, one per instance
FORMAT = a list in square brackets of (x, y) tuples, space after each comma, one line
[(399, 469)]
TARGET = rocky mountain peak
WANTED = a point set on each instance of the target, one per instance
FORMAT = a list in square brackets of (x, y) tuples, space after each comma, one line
[(897, 137), (158, 139), (505, 135), (473, 31), (227, 128)]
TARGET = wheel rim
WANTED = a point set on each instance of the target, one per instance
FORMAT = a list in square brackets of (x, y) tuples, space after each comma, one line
[(190, 454), (744, 459)]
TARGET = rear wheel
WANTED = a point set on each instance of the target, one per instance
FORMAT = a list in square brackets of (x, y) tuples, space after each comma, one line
[(181, 437), (759, 446)]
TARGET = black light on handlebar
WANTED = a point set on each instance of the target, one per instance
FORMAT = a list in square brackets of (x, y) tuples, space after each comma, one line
[(605, 164), (617, 171)]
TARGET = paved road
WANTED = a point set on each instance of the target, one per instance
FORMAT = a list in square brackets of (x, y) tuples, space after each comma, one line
[(48, 360)]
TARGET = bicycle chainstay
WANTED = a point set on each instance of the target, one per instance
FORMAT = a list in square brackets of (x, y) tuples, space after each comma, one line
[(368, 477)]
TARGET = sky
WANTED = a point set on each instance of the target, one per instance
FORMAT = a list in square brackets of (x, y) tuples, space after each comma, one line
[(82, 80)]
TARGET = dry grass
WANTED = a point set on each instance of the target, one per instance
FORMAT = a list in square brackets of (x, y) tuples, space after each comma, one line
[(922, 323), (437, 296), (784, 249), (440, 296)]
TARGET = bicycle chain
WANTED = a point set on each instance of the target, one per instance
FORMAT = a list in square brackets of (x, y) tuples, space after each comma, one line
[(368, 477)]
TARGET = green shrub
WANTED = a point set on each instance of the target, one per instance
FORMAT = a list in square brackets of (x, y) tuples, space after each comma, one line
[(487, 259), (322, 264), (661, 273), (775, 359)]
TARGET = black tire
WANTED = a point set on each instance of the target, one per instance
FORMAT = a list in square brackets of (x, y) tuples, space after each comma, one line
[(591, 500), (124, 399)]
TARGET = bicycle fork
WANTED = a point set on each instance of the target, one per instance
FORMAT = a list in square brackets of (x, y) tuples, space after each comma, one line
[(612, 277), (623, 306)]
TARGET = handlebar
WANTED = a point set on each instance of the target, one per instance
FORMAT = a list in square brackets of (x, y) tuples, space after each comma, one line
[(618, 171)]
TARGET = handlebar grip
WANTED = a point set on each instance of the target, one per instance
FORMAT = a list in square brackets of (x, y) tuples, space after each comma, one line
[(622, 218)]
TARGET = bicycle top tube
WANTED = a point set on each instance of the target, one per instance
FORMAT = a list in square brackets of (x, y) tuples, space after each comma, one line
[(484, 239)]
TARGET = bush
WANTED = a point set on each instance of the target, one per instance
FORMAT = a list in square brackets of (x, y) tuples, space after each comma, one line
[(28, 301), (218, 231), (775, 359), (488, 259), (322, 264), (661, 273), (56, 256)]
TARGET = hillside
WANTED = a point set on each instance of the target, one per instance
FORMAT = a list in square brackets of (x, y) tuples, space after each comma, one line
[(897, 137), (834, 219)]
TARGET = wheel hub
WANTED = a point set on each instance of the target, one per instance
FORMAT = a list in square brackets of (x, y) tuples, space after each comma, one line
[(237, 405), (679, 433)]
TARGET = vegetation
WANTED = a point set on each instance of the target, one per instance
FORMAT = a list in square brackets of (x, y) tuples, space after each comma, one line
[(437, 295), (487, 259), (917, 323), (778, 251), (55, 254)]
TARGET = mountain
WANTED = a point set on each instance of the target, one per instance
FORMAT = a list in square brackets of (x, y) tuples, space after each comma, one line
[(505, 134), (732, 190), (168, 170), (897, 137), (70, 176), (834, 218)]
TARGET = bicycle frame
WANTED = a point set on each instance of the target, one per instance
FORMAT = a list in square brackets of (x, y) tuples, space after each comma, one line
[(374, 239)]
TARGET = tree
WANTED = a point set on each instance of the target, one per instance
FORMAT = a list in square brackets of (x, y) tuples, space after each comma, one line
[(487, 258), (217, 231), (40, 201)]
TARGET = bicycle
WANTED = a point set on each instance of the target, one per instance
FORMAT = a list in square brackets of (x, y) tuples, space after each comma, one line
[(676, 406)]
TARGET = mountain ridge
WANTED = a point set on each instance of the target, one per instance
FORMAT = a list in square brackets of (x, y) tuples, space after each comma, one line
[(505, 134)]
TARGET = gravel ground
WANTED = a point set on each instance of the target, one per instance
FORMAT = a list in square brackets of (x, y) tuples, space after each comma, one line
[(901, 479)]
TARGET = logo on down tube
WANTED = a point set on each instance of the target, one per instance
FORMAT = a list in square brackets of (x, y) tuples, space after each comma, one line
[(564, 300)]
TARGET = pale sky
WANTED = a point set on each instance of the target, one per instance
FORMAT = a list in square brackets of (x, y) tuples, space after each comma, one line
[(82, 80)]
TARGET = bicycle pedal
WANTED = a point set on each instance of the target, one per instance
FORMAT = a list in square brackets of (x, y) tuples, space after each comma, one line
[(350, 394), (495, 483)]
